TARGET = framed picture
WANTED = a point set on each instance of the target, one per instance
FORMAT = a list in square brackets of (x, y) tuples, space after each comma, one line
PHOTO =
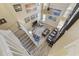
[(27, 19), (30, 7), (34, 16), (17, 7), (2, 21), (50, 17), (55, 12)]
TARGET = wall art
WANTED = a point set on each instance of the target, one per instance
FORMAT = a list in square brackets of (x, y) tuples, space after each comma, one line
[(2, 21), (27, 19), (17, 7)]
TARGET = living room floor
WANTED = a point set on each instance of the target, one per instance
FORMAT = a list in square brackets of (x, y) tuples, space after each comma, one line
[(61, 47)]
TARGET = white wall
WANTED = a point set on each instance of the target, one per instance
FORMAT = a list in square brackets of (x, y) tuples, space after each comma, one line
[(5, 12)]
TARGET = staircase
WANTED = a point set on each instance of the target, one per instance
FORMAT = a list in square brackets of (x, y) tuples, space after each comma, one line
[(11, 45), (30, 46)]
